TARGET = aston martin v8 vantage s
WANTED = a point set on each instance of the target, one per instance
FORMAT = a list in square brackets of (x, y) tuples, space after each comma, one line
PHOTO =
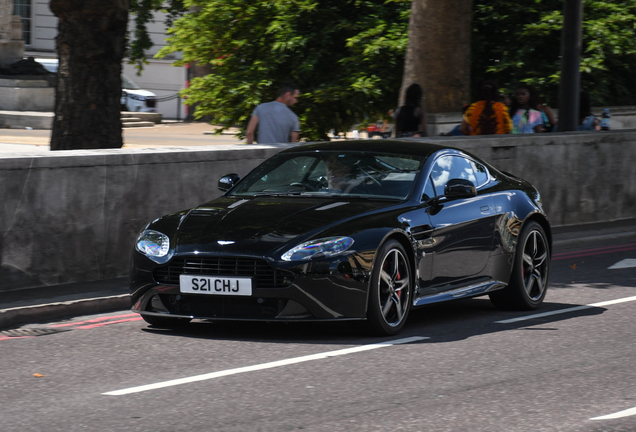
[(357, 230)]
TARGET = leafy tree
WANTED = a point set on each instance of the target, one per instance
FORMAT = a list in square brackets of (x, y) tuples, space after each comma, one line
[(521, 42), (346, 56)]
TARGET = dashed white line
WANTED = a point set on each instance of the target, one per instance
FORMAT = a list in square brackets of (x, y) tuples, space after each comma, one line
[(562, 311), (620, 414), (346, 351), (262, 366), (626, 263)]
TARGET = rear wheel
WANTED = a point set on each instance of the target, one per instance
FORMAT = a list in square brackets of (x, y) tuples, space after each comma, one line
[(529, 279), (391, 288), (165, 322)]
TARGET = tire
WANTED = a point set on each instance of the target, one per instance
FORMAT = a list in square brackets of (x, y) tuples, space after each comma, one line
[(165, 322), (390, 290), (529, 279)]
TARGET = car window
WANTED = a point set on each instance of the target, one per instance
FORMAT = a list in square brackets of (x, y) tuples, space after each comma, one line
[(128, 84), (288, 172), (451, 167), (481, 174), (351, 173)]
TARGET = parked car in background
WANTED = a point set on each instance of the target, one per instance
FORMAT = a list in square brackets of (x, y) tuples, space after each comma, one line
[(380, 129), (133, 98), (346, 230)]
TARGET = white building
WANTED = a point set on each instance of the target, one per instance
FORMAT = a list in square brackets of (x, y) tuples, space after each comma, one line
[(159, 76)]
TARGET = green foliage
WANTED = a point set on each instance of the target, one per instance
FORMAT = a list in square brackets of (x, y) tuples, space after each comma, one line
[(346, 56), (515, 42)]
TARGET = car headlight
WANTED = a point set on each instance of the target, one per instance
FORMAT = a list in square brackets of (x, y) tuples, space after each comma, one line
[(153, 243), (325, 247)]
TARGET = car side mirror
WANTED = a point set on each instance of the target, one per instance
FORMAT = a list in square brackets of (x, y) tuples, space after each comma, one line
[(459, 188), (454, 189), (228, 181)]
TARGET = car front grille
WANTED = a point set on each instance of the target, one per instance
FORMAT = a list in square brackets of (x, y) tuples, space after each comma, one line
[(265, 276), (151, 102)]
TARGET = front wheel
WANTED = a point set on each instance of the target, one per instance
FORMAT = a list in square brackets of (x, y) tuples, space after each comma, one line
[(529, 279), (390, 290)]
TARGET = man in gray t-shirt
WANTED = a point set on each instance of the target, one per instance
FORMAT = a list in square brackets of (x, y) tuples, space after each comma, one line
[(276, 122)]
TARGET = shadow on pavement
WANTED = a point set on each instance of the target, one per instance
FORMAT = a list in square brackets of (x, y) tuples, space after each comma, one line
[(447, 322)]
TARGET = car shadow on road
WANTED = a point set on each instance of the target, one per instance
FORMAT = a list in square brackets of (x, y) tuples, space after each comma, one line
[(463, 319), (444, 322)]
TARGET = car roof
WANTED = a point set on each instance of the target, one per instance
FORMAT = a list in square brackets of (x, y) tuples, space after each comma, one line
[(411, 148)]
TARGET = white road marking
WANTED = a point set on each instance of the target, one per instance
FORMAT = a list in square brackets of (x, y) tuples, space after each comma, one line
[(270, 365), (626, 263), (620, 414), (562, 311)]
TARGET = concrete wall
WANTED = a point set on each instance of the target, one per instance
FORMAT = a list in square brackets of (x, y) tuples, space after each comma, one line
[(26, 119), (623, 117), (26, 95), (72, 216), (582, 176)]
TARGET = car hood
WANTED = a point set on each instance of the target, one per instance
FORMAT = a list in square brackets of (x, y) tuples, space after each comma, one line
[(144, 93), (261, 225)]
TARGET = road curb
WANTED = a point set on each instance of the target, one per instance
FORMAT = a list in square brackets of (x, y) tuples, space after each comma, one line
[(46, 312), (598, 239)]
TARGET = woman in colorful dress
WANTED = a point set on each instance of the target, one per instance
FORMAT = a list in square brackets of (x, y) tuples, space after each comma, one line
[(488, 116), (525, 119)]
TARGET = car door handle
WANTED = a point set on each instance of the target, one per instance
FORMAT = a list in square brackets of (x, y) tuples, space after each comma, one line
[(485, 209)]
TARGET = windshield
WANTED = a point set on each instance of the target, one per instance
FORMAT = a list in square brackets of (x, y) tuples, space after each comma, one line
[(127, 83), (355, 174)]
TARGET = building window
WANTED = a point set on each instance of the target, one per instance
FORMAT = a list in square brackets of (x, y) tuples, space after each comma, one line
[(23, 9)]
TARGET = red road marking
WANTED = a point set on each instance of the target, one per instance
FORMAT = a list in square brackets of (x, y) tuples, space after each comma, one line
[(90, 326), (95, 320), (13, 337), (596, 251)]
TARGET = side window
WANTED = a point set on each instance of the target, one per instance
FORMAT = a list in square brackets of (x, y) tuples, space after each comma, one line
[(451, 167), (481, 174)]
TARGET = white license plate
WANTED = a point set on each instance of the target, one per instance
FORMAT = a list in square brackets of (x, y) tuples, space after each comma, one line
[(216, 285)]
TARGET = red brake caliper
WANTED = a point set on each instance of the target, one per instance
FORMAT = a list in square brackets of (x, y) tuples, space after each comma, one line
[(399, 293)]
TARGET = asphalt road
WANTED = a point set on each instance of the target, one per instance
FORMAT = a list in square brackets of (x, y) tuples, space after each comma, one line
[(461, 366)]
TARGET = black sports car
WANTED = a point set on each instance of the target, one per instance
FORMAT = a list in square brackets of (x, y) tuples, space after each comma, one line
[(356, 230)]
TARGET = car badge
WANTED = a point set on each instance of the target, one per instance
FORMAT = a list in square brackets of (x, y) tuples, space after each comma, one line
[(225, 242)]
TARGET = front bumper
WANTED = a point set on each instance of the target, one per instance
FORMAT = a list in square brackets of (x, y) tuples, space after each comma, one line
[(329, 289)]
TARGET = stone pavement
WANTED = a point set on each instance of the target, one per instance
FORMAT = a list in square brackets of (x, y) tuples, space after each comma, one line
[(43, 304), (167, 134)]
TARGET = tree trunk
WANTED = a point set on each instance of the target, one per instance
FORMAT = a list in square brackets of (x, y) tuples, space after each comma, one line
[(438, 53), (90, 44)]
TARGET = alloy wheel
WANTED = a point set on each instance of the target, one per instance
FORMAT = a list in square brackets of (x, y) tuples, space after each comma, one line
[(394, 289), (535, 265)]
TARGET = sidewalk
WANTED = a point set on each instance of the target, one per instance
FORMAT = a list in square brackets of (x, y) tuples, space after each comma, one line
[(167, 134), (48, 303)]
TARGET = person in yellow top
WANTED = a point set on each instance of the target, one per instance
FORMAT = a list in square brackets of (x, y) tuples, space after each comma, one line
[(488, 116)]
